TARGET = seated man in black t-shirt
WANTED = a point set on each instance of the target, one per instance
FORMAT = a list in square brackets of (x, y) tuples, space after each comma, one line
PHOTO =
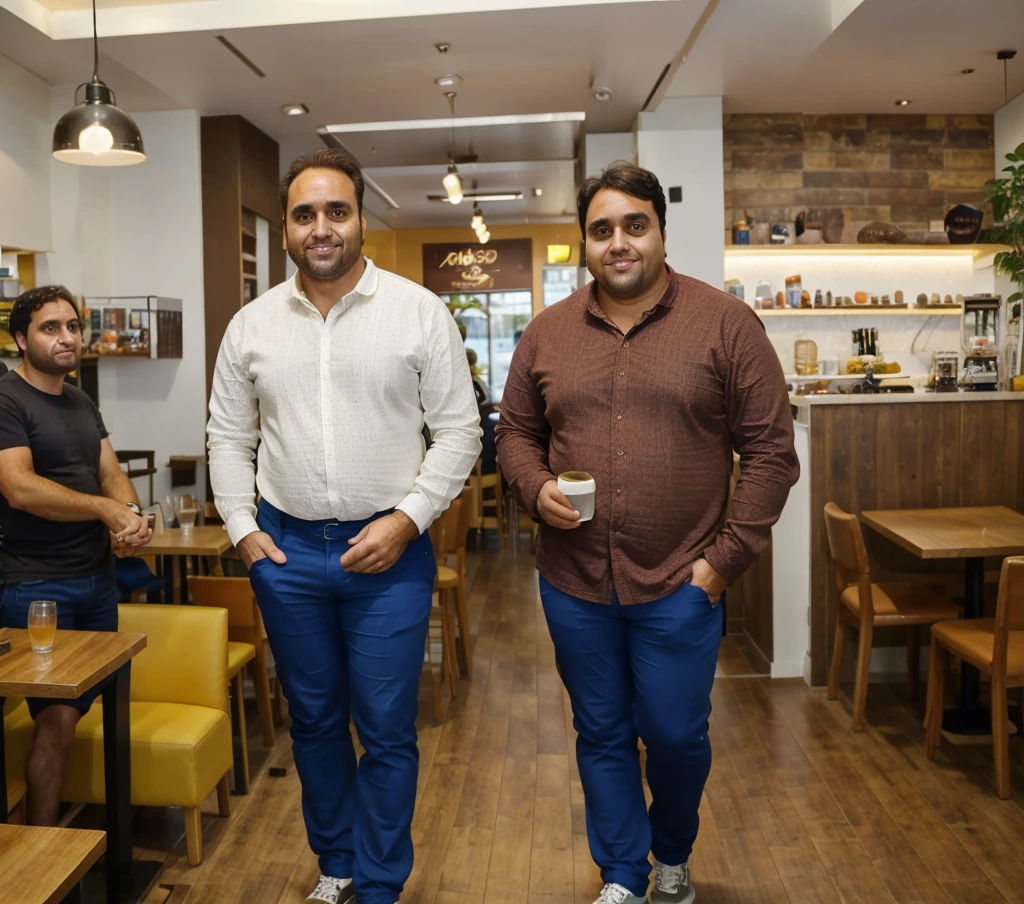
[(64, 503)]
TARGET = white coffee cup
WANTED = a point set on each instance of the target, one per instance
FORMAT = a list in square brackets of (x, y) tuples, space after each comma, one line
[(580, 489)]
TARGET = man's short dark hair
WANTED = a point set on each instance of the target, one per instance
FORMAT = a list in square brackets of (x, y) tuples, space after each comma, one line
[(31, 301), (325, 158), (630, 180)]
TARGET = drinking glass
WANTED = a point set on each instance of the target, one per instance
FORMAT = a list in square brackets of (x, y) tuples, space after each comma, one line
[(186, 509), (42, 625)]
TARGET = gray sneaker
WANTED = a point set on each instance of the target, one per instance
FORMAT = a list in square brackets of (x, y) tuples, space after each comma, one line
[(672, 884), (616, 894), (331, 891)]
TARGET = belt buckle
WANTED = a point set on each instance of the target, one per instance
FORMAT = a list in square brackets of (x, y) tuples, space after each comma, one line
[(327, 528)]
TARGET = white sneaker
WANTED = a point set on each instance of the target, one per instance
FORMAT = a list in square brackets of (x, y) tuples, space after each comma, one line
[(331, 891), (672, 884), (616, 894)]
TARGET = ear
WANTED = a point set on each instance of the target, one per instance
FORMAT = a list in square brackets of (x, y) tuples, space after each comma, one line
[(22, 341)]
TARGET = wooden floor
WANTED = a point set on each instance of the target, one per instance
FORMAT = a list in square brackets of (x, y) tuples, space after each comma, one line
[(798, 807)]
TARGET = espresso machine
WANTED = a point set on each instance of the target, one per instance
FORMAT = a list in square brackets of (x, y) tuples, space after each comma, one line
[(980, 338)]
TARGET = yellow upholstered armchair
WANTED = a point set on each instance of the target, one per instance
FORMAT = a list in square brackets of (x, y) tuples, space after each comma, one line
[(180, 729)]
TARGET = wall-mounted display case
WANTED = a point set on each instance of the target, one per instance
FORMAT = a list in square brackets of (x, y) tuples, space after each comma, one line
[(142, 326)]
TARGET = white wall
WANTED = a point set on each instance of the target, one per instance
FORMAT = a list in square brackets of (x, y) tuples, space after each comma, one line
[(138, 231), (1009, 131), (25, 134), (601, 150), (682, 145)]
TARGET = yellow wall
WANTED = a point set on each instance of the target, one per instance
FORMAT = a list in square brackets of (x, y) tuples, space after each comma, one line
[(401, 250)]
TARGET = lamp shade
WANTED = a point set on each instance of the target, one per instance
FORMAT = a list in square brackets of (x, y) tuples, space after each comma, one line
[(97, 132)]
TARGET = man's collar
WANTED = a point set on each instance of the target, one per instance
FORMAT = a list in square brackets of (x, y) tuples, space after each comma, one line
[(666, 300), (366, 286)]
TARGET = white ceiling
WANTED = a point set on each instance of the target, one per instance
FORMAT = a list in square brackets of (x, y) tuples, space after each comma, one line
[(373, 60)]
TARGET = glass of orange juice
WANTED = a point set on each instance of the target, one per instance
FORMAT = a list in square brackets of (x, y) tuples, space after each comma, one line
[(42, 625)]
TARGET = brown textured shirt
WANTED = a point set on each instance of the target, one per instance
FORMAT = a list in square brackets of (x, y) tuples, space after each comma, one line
[(654, 416)]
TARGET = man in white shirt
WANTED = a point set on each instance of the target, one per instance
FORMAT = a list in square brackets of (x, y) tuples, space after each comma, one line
[(333, 375)]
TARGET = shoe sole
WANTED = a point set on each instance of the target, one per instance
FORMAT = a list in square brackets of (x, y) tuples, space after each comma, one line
[(684, 897)]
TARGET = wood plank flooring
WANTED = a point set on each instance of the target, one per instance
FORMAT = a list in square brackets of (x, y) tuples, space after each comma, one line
[(798, 807)]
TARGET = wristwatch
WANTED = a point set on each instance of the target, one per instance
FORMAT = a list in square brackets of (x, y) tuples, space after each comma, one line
[(134, 508)]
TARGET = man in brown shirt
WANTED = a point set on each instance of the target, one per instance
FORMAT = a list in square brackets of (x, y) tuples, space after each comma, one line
[(648, 381)]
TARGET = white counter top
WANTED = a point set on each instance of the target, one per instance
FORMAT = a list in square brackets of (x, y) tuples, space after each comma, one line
[(898, 398)]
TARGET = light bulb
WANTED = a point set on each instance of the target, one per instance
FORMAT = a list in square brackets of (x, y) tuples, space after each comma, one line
[(480, 228), (95, 139), (477, 221), (453, 185), (484, 237)]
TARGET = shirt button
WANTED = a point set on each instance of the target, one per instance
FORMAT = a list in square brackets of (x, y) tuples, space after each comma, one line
[(622, 373), (625, 345), (620, 452), (618, 492), (619, 418)]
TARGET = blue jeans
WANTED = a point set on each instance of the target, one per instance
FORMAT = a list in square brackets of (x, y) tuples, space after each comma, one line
[(349, 645), (644, 670), (83, 604)]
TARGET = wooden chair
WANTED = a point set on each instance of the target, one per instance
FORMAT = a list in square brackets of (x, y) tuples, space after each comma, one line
[(490, 501), (247, 643), (455, 578), (15, 799), (865, 606), (442, 536), (994, 646)]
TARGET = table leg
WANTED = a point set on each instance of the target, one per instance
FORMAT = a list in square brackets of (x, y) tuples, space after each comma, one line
[(3, 768), (969, 718), (182, 580), (117, 781)]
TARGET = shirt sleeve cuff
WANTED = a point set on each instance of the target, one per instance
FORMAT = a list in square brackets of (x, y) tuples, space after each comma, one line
[(531, 488), (730, 571), (419, 509), (240, 525)]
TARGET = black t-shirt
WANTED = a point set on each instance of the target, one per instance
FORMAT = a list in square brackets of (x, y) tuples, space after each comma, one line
[(64, 433)]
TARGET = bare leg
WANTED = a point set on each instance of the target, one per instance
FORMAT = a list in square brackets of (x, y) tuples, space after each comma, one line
[(47, 760)]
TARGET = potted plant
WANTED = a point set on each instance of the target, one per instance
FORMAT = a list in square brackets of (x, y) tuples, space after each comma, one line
[(1006, 196)]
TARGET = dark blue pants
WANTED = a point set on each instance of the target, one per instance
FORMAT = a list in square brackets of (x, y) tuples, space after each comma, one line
[(349, 645), (83, 604), (644, 670)]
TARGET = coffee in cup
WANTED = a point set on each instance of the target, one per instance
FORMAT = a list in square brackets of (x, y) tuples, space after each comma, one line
[(580, 489)]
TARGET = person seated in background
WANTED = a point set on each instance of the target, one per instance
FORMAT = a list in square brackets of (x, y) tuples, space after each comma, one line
[(64, 502)]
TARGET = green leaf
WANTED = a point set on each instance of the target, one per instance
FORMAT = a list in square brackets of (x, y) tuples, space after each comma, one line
[(1016, 296), (1019, 150)]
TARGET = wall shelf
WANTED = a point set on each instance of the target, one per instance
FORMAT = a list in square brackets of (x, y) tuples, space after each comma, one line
[(975, 252), (952, 310)]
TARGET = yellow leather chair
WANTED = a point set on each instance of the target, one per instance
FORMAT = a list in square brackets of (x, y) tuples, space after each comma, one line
[(180, 729)]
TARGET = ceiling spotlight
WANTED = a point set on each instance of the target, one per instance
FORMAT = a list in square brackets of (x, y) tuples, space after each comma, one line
[(452, 183), (448, 81), (484, 237), (537, 192), (601, 93), (478, 217), (902, 103), (443, 47), (294, 109), (966, 71)]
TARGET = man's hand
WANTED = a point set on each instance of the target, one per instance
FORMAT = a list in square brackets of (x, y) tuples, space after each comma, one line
[(126, 528), (707, 579), (555, 509), (258, 545), (380, 544)]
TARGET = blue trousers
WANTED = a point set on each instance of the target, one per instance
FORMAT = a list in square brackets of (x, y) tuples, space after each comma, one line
[(638, 671), (349, 645)]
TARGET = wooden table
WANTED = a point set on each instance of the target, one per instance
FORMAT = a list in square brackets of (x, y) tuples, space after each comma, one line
[(43, 865), (81, 660), (170, 543), (971, 533)]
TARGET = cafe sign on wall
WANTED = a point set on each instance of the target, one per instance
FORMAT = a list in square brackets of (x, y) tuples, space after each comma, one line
[(502, 265)]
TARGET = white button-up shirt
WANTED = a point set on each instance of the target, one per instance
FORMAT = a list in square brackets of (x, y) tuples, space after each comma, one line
[(336, 407)]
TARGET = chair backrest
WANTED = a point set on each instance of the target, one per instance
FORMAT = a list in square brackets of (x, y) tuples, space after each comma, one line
[(846, 545), (445, 529), (186, 655), (1009, 609), (245, 623)]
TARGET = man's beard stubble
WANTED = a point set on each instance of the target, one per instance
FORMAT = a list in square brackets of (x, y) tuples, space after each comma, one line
[(48, 366)]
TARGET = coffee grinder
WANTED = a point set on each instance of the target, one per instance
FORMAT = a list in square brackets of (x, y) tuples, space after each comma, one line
[(980, 339)]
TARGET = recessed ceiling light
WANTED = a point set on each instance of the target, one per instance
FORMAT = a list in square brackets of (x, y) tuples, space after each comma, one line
[(537, 192), (966, 71), (902, 103), (448, 81), (601, 93), (443, 47), (294, 109)]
